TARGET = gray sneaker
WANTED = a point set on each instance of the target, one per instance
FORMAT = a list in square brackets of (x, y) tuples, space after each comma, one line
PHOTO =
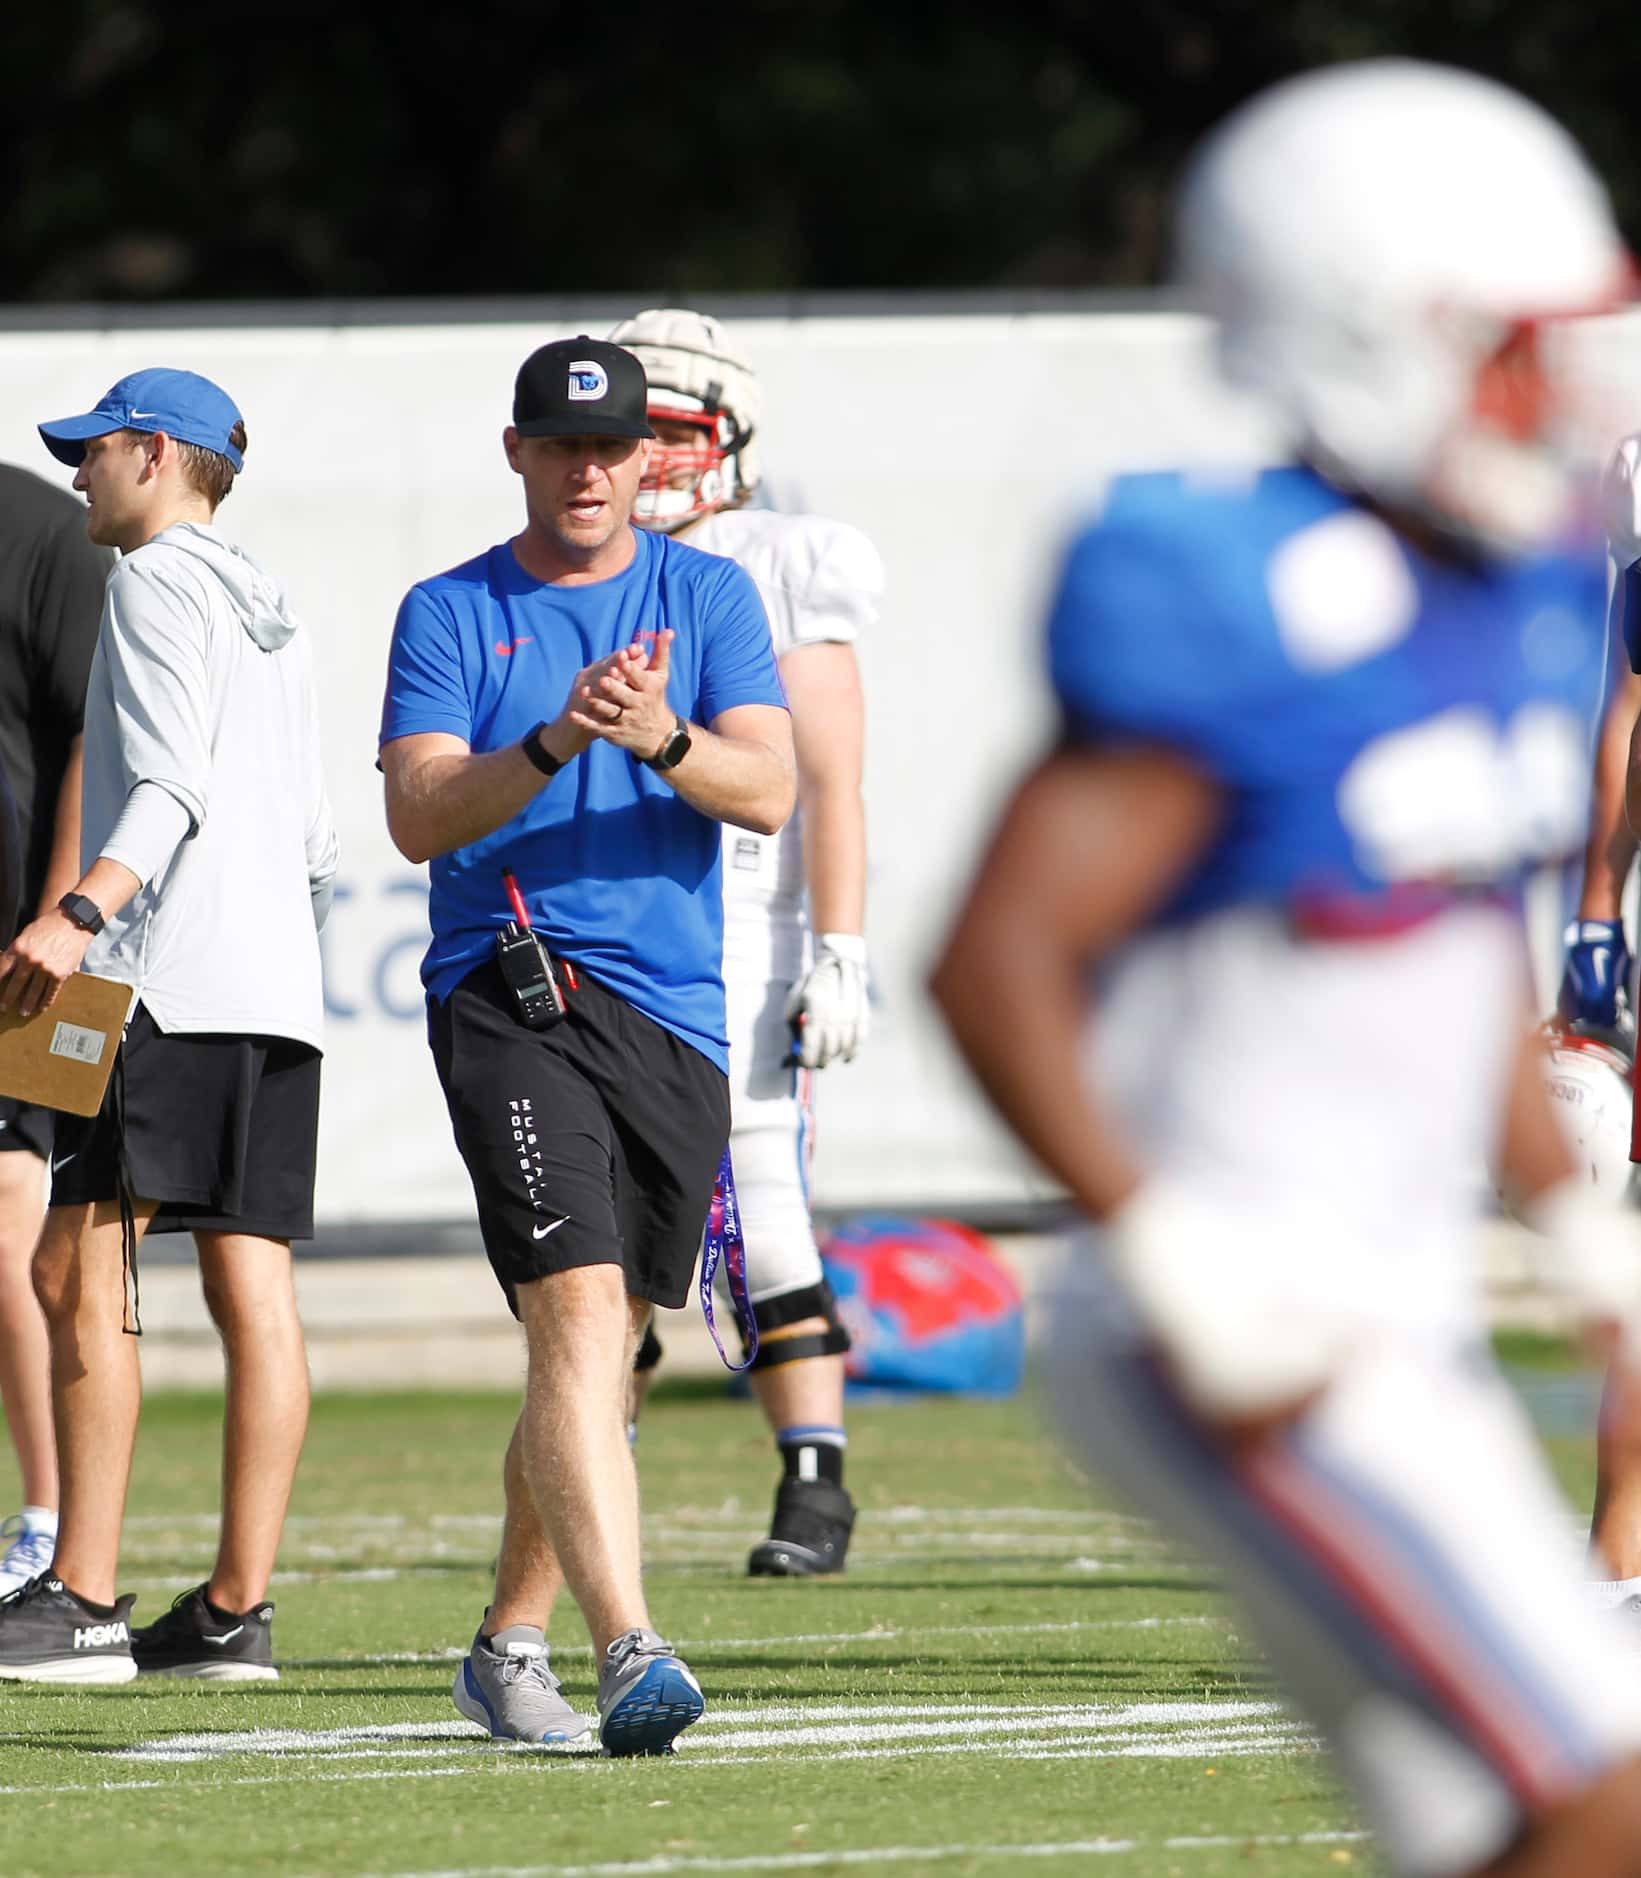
[(646, 1695), (505, 1685)]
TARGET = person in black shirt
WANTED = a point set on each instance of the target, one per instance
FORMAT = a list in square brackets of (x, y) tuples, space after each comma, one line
[(11, 861), (51, 597)]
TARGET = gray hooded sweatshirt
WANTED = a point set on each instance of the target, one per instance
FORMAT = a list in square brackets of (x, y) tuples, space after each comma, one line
[(202, 685)]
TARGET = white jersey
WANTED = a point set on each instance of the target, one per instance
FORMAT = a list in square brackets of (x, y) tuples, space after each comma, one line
[(1269, 1072), (820, 582)]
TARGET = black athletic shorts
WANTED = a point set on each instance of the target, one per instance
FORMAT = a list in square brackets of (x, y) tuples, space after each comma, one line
[(223, 1131), (25, 1127), (594, 1143)]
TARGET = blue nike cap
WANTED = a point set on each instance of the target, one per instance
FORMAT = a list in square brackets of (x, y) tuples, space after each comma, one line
[(182, 404)]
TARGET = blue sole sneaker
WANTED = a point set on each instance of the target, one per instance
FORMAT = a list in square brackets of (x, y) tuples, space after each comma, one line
[(647, 1695)]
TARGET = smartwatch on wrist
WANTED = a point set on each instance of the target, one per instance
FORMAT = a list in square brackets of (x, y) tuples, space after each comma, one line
[(83, 910), (673, 751), (532, 746)]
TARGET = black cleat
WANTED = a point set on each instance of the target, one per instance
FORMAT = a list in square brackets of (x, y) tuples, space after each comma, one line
[(809, 1534), (47, 1634), (189, 1641)]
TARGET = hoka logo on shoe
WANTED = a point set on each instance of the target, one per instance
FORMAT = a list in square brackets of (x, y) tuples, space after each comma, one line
[(96, 1636)]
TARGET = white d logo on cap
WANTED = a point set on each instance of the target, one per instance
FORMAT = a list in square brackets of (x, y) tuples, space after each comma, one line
[(588, 379)]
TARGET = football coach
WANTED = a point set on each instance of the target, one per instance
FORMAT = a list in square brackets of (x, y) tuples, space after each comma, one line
[(569, 717)]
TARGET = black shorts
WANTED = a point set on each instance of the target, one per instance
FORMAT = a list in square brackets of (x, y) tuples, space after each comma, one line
[(222, 1131), (594, 1143), (25, 1127)]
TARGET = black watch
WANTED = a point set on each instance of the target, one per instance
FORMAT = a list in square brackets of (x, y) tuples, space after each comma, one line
[(83, 910), (673, 751), (544, 760)]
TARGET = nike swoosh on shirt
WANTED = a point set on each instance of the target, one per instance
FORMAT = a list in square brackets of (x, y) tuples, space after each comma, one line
[(541, 1232), (507, 650), (64, 1161), (226, 1637)]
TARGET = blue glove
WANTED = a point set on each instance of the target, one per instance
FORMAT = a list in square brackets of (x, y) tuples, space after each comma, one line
[(1595, 982)]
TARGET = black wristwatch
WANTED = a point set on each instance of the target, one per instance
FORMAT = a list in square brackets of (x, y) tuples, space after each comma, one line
[(83, 910), (673, 751), (544, 760)]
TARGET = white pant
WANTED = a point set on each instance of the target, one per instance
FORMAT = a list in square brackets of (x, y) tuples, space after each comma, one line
[(771, 1143), (1406, 1563)]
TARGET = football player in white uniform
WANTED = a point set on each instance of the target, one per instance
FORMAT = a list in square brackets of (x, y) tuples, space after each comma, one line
[(1244, 964), (1597, 983), (794, 903)]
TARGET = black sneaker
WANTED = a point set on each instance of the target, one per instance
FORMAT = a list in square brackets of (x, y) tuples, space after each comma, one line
[(189, 1641), (809, 1533), (47, 1634)]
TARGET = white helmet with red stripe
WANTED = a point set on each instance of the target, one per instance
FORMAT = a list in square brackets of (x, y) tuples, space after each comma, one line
[(1380, 242), (1589, 1073), (696, 378)]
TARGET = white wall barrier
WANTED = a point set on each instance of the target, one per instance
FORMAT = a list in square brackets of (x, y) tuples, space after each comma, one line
[(964, 444)]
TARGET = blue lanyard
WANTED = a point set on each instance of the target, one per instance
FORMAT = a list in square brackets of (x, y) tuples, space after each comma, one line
[(725, 1244)]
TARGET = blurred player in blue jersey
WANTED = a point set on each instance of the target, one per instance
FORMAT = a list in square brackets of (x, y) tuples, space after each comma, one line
[(1244, 965)]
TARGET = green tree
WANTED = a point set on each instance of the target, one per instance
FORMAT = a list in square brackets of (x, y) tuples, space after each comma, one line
[(160, 152)]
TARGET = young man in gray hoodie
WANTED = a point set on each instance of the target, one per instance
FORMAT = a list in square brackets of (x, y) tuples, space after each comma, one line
[(208, 852)]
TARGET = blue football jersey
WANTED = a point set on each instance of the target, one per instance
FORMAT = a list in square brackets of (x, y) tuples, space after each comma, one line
[(1390, 729)]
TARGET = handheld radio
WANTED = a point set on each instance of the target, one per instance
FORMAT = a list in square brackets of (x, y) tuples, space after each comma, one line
[(527, 968)]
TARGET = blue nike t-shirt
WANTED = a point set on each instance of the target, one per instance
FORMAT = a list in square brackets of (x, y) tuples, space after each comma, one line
[(618, 872)]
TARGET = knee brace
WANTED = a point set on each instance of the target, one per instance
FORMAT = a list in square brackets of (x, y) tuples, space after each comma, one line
[(649, 1351), (792, 1307)]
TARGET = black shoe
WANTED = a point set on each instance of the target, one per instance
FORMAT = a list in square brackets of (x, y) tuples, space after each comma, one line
[(47, 1634), (189, 1641), (809, 1533)]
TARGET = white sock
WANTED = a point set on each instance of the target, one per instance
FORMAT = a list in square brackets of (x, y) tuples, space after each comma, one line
[(39, 1519), (1610, 1591)]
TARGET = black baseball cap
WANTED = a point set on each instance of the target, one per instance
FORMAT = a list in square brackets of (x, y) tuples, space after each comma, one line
[(581, 387)]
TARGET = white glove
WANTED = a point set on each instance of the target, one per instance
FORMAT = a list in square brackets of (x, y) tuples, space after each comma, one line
[(1594, 1254), (1216, 1291), (828, 1007)]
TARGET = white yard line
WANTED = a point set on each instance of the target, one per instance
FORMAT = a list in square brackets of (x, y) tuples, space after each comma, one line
[(838, 1731), (377, 1547), (164, 1568), (1079, 1551), (665, 1863), (730, 1514), (505, 1758), (282, 1778), (1205, 1731), (740, 1720), (352, 1574), (1159, 1713), (1089, 1745)]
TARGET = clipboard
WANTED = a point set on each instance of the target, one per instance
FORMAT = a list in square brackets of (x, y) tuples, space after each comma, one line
[(63, 1058)]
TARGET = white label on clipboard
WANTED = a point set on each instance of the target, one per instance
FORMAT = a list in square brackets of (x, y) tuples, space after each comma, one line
[(79, 1043)]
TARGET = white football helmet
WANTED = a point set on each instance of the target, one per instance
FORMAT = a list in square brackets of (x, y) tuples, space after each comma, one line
[(1589, 1072), (1370, 236), (697, 378)]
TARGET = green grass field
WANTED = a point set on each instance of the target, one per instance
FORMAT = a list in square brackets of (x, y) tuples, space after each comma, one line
[(1011, 1677)]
